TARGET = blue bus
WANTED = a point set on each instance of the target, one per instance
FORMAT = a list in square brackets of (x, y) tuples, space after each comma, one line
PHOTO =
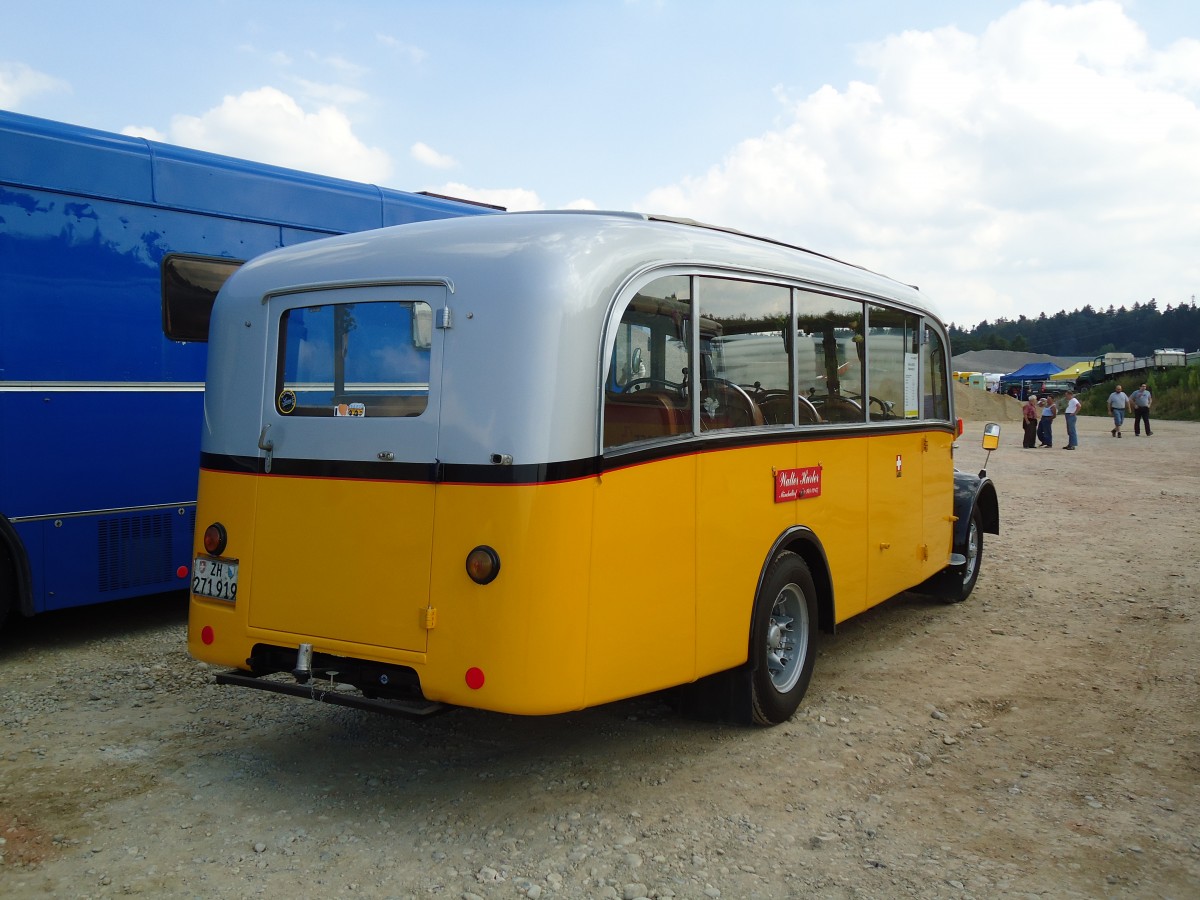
[(112, 249)]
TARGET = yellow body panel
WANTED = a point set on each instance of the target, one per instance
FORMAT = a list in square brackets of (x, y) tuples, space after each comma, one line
[(348, 560), (609, 586), (642, 624), (895, 512)]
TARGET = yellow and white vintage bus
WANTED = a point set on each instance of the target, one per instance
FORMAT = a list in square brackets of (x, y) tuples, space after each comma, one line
[(535, 462)]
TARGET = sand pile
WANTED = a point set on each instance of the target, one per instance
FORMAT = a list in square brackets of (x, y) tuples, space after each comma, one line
[(977, 405)]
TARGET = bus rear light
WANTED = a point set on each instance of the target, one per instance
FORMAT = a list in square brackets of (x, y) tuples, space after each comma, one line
[(215, 539), (206, 634), (475, 678), (958, 427), (483, 564)]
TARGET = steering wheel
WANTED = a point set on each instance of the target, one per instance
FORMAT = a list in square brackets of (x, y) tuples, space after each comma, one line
[(886, 408)]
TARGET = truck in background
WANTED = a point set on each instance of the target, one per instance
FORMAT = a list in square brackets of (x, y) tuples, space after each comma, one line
[(1111, 365)]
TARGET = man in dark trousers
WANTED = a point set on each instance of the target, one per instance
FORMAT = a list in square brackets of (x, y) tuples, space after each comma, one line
[(1141, 400)]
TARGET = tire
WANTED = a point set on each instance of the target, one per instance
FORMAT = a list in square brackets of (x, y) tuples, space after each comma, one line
[(957, 582), (8, 585), (783, 634)]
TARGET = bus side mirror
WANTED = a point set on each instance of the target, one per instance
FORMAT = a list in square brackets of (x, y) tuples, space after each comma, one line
[(991, 440), (991, 436)]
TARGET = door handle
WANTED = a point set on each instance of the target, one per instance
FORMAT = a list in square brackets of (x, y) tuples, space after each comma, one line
[(267, 445)]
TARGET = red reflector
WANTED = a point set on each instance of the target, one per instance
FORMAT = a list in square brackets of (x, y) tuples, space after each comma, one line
[(960, 427), (474, 678), (206, 634), (182, 572)]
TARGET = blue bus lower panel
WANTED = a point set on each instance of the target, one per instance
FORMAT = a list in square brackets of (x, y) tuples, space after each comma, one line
[(114, 556)]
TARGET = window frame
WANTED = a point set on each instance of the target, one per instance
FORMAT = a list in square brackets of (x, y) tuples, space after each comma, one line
[(354, 399), (924, 324), (179, 322)]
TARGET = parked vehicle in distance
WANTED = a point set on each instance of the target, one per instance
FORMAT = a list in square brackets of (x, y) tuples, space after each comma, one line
[(1116, 365), (1170, 356)]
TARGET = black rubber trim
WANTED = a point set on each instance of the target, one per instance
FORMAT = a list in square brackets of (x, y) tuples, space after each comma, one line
[(547, 472)]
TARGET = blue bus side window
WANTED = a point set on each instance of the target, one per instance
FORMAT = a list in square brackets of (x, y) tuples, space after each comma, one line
[(189, 288)]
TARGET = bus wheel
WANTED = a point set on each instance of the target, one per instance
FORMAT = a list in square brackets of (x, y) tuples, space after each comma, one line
[(8, 584), (782, 640), (957, 582)]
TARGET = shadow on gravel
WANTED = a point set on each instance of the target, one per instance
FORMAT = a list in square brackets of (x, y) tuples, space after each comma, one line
[(86, 624)]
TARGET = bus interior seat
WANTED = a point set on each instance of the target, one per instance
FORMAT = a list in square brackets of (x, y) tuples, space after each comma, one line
[(836, 408), (640, 416), (777, 410)]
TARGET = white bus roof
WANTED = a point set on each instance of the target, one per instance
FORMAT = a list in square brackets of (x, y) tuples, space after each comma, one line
[(529, 294)]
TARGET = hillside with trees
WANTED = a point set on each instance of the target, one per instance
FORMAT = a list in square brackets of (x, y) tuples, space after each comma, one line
[(1087, 332)]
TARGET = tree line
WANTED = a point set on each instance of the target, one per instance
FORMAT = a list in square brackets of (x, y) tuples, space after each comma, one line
[(1088, 332)]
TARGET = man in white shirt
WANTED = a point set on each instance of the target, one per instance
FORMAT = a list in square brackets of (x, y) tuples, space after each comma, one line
[(1070, 412)]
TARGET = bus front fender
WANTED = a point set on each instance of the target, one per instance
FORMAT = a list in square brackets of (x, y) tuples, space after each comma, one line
[(973, 492)]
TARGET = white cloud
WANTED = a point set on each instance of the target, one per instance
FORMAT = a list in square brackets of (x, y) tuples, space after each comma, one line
[(1043, 164), (19, 82), (145, 131), (512, 199), (344, 67), (270, 126), (414, 55), (335, 94), (427, 156)]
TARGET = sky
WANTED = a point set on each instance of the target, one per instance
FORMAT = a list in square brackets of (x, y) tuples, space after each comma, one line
[(1009, 158)]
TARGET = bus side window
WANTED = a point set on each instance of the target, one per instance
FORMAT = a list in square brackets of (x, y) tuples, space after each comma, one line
[(937, 403), (189, 288), (829, 350), (892, 374), (746, 369), (645, 393)]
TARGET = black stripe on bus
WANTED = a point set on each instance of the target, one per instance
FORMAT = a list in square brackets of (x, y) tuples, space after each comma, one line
[(429, 473), (545, 472)]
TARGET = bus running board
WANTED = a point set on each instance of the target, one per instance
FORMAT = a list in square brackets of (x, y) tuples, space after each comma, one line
[(413, 709)]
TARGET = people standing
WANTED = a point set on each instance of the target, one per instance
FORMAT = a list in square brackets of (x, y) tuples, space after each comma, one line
[(1140, 400), (1118, 401), (1046, 421), (1071, 413), (1029, 414)]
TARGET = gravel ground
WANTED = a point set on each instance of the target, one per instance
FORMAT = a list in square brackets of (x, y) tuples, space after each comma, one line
[(1039, 740)]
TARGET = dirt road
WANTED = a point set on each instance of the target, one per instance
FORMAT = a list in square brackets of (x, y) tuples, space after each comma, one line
[(1040, 739)]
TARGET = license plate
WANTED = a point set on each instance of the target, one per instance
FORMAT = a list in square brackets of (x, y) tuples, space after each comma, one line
[(215, 578)]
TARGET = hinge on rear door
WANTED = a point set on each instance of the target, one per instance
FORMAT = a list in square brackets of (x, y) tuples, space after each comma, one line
[(924, 445), (430, 618), (445, 318)]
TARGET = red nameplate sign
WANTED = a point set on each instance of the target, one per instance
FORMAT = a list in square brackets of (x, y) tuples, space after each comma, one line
[(797, 484)]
